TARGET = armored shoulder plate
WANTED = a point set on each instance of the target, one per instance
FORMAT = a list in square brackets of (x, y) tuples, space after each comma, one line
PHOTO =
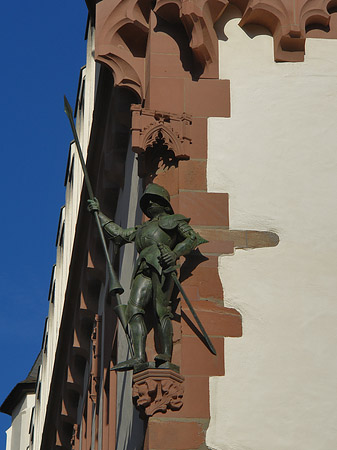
[(171, 221)]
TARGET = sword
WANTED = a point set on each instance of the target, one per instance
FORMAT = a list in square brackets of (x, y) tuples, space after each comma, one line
[(115, 287), (172, 272)]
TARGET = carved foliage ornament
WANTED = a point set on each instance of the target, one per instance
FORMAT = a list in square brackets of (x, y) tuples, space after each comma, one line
[(158, 391)]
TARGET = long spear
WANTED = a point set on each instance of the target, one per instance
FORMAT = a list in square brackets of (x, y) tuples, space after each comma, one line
[(115, 287)]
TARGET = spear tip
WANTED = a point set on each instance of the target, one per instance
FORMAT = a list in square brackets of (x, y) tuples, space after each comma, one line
[(67, 107)]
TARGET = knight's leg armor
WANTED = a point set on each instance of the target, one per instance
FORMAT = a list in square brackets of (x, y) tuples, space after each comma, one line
[(141, 293), (138, 335), (165, 332), (162, 292)]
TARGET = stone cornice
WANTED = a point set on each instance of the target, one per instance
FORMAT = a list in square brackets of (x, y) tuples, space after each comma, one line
[(122, 29)]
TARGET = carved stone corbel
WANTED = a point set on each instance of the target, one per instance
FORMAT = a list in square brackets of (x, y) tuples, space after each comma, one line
[(287, 21), (157, 390)]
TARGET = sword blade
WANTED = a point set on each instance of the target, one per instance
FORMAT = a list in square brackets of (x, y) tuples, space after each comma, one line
[(189, 304)]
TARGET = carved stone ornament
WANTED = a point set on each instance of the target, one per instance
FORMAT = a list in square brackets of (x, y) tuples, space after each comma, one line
[(288, 21), (121, 38), (123, 28), (160, 139), (175, 130), (157, 390)]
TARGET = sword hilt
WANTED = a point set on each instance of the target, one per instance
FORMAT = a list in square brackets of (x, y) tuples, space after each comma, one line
[(171, 269)]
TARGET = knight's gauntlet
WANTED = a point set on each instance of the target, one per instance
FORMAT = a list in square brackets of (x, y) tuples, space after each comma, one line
[(191, 239)]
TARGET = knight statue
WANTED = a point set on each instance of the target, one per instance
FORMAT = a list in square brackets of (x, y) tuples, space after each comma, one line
[(160, 242)]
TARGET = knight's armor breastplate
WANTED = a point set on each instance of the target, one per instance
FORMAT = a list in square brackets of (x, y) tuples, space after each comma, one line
[(150, 233)]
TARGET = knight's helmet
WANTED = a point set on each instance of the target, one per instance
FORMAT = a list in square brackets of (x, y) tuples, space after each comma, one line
[(155, 191)]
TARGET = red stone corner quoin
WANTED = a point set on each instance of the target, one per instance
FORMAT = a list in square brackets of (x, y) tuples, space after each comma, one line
[(185, 427)]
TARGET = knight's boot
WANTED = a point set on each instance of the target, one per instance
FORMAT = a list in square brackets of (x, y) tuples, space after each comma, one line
[(138, 334), (165, 331)]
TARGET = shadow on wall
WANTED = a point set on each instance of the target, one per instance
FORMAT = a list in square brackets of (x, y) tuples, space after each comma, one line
[(179, 34)]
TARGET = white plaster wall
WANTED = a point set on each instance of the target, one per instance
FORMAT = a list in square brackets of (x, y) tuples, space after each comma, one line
[(18, 437), (277, 158), (8, 438)]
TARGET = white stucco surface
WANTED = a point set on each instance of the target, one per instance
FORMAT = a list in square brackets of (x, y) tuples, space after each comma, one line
[(18, 437), (277, 158)]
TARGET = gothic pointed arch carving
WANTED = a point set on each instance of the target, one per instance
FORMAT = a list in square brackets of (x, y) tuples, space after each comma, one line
[(121, 38), (288, 22), (164, 134), (175, 130), (160, 139)]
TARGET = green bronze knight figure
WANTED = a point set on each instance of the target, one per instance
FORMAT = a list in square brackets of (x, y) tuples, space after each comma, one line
[(159, 241)]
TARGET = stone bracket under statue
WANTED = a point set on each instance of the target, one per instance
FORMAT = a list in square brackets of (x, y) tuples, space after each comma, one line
[(157, 390)]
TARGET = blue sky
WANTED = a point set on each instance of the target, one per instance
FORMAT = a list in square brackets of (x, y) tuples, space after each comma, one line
[(42, 53)]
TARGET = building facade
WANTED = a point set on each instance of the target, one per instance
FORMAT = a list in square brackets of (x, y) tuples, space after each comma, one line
[(231, 106)]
